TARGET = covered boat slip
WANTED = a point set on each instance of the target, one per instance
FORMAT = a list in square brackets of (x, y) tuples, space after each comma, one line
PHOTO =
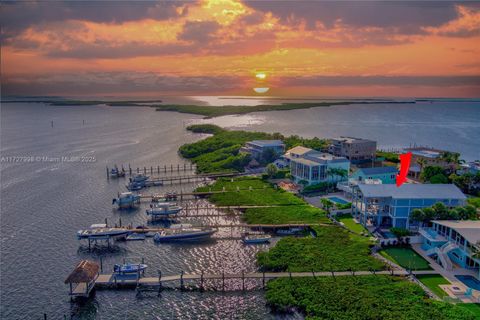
[(82, 279)]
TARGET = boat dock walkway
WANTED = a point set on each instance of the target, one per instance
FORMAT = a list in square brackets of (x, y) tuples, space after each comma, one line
[(146, 283), (159, 169)]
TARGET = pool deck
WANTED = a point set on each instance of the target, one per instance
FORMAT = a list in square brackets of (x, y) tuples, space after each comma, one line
[(450, 276)]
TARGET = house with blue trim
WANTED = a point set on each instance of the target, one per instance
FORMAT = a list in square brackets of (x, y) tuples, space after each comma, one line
[(386, 174), (453, 242), (386, 205)]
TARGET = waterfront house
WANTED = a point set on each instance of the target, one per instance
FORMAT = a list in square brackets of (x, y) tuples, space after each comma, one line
[(425, 157), (472, 167), (258, 148), (314, 167), (356, 150), (385, 174), (386, 205), (453, 242)]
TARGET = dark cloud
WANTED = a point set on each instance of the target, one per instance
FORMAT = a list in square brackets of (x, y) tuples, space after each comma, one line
[(405, 17), (434, 81), (16, 16), (199, 31), (115, 82)]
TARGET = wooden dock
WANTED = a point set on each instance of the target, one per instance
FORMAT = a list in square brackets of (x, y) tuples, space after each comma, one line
[(159, 169), (113, 281)]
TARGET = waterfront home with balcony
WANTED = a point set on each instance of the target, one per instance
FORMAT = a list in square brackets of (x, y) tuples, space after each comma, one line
[(356, 150), (385, 174), (453, 243), (386, 205), (257, 148), (314, 167)]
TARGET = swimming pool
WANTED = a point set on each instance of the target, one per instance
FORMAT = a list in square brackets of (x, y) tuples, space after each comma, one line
[(338, 200), (469, 281)]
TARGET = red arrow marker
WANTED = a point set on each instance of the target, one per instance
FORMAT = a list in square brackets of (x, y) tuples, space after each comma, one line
[(405, 160)]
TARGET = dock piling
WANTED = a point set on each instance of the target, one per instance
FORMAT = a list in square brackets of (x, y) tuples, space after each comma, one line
[(201, 282), (181, 281)]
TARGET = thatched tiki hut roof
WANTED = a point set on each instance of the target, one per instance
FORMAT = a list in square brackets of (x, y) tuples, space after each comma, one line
[(85, 271)]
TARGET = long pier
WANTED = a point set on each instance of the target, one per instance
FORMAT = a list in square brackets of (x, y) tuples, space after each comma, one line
[(113, 281), (154, 169)]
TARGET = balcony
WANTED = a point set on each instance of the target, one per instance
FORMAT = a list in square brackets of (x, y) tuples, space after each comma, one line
[(431, 234)]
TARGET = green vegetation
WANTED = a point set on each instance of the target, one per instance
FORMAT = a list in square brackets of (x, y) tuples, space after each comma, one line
[(319, 187), (432, 282), (388, 156), (433, 174), (472, 307), (220, 152), (467, 182), (348, 221), (267, 195), (474, 202), (440, 212), (286, 214), (254, 191), (359, 298), (125, 103), (343, 206), (205, 128), (406, 258), (216, 111), (333, 248), (400, 232)]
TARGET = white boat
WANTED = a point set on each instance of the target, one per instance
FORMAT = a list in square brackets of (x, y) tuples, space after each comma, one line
[(254, 238), (101, 233), (185, 234), (136, 237), (129, 268), (126, 200), (137, 182), (163, 209)]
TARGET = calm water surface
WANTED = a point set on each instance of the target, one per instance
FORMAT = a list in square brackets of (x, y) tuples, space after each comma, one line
[(43, 203)]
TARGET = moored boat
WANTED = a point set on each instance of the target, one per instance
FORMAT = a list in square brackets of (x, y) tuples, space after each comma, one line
[(289, 231), (254, 238), (163, 209), (116, 173), (101, 232), (126, 200), (186, 234), (129, 268)]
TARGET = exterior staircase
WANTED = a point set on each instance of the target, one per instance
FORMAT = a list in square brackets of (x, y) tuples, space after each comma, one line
[(442, 254)]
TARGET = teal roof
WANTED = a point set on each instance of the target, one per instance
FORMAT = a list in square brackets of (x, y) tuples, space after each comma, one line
[(378, 170)]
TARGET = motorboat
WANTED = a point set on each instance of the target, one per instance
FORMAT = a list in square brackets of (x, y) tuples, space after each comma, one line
[(126, 200), (254, 238), (139, 178), (102, 232), (129, 268), (136, 237), (163, 209), (135, 186), (183, 234), (116, 173)]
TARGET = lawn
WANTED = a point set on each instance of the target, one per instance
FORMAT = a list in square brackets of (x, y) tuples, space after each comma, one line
[(359, 298), (432, 281), (406, 258), (262, 193), (348, 221), (292, 210), (332, 249)]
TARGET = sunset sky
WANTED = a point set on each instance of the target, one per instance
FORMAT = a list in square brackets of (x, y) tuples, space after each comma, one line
[(155, 48)]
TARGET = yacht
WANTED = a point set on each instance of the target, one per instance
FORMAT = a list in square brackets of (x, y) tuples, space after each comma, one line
[(101, 231), (126, 200), (163, 209), (183, 234)]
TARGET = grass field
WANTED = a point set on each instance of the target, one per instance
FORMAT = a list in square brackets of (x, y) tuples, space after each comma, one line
[(406, 258), (351, 224), (432, 281)]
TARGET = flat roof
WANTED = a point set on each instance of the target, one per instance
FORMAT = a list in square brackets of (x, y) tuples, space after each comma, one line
[(264, 143), (351, 139), (299, 150), (378, 170), (412, 191), (469, 229)]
